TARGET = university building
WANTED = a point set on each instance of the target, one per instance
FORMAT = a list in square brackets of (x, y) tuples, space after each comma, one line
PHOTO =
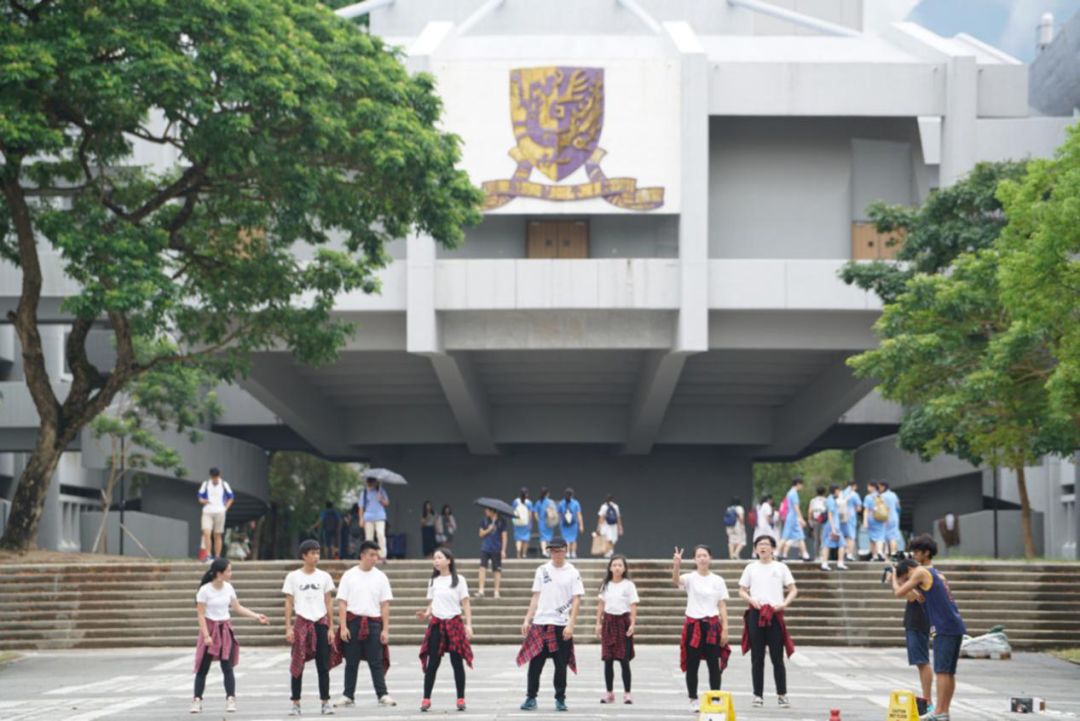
[(651, 303)]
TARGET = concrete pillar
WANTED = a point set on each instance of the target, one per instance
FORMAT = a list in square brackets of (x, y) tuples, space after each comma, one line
[(958, 136)]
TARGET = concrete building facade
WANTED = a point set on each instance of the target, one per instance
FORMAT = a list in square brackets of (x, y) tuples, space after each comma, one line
[(651, 303)]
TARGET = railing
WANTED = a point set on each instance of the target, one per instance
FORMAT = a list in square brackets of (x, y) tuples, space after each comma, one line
[(71, 508)]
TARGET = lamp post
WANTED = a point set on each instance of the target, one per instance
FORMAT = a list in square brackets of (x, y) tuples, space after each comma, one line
[(123, 460)]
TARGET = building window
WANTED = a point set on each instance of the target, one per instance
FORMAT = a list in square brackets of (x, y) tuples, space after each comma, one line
[(868, 244), (557, 239)]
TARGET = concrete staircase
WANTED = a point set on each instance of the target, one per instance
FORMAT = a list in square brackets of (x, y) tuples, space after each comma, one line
[(152, 604)]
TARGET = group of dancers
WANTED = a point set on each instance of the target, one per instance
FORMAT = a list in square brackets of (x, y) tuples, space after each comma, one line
[(362, 624)]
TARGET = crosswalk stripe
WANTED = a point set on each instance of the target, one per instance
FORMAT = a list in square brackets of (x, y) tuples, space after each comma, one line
[(272, 661), (111, 709), (187, 658), (114, 683)]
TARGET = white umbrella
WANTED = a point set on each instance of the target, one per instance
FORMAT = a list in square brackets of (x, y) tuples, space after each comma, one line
[(384, 475)]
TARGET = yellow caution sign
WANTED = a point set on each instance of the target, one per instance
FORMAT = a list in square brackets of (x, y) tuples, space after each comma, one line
[(718, 706), (902, 707)]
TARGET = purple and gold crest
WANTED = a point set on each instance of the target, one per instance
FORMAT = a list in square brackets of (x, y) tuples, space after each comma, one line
[(557, 114)]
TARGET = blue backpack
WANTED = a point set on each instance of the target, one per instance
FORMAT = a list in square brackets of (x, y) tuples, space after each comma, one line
[(731, 516), (611, 517)]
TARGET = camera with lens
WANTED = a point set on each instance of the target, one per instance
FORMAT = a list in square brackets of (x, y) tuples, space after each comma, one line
[(891, 567)]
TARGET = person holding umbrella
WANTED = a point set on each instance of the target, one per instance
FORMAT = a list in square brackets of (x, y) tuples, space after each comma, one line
[(492, 549), (373, 504)]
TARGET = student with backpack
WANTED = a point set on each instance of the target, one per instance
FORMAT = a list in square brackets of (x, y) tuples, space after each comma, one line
[(817, 513), (874, 520), (764, 520), (547, 519), (849, 513), (522, 521), (609, 525), (794, 523), (833, 533), (892, 524), (735, 525), (570, 521), (329, 527)]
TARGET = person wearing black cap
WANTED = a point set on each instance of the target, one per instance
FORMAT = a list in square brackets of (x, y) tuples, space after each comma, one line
[(768, 587), (549, 623)]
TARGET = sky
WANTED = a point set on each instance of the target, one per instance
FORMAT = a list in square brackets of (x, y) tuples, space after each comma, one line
[(1006, 24)]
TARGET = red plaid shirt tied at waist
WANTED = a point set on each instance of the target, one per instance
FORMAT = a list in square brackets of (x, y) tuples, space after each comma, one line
[(693, 638), (542, 639), (767, 615), (452, 639), (305, 644), (614, 643), (222, 646), (364, 632)]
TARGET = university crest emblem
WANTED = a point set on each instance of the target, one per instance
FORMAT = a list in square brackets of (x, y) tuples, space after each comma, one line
[(557, 115)]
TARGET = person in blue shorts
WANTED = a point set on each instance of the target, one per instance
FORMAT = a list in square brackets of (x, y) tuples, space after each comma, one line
[(547, 519), (832, 535), (892, 526), (875, 527), (794, 523), (852, 506), (570, 521), (522, 519)]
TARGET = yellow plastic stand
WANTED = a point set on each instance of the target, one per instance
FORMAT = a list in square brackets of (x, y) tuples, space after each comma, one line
[(902, 707), (718, 706)]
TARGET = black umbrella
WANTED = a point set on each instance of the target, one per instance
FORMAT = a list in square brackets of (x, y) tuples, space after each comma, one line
[(496, 505)]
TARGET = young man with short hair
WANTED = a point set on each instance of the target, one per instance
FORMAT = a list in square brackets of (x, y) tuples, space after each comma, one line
[(916, 625), (549, 624), (492, 549), (363, 599), (216, 497), (307, 592), (768, 587), (945, 621)]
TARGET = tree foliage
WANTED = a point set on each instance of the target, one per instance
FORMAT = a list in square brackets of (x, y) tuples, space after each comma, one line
[(821, 469), (300, 485), (275, 125)]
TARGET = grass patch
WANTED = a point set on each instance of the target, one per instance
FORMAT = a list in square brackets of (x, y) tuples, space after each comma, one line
[(7, 657), (1067, 654)]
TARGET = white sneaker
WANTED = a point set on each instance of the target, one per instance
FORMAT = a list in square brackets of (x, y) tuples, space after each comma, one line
[(230, 705), (327, 709), (841, 567), (783, 701), (826, 567), (196, 706), (757, 702), (695, 705), (344, 702), (295, 710), (478, 594), (387, 701)]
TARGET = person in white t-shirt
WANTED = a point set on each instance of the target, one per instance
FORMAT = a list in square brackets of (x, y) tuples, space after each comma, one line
[(616, 618), (363, 599), (768, 587), (765, 520), (308, 592), (216, 497), (448, 600), (549, 624), (214, 600), (705, 630), (609, 525)]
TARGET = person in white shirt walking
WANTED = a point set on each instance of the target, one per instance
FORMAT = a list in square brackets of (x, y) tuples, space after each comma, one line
[(216, 497), (448, 600), (363, 599), (616, 619), (705, 629), (763, 586), (214, 600), (609, 525), (308, 593), (549, 624), (765, 513)]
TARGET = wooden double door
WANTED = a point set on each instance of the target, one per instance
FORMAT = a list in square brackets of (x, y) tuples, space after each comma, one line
[(557, 239)]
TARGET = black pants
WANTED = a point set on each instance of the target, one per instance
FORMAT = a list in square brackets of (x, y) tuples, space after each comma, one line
[(226, 672), (370, 650), (694, 656), (561, 656), (434, 660), (322, 666), (772, 637), (609, 674)]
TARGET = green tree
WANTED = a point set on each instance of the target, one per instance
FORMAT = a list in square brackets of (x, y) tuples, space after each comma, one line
[(823, 468), (972, 382), (1040, 267), (289, 126), (300, 485), (961, 218)]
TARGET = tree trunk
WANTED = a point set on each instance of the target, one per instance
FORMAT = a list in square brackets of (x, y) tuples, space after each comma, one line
[(29, 499), (1025, 512)]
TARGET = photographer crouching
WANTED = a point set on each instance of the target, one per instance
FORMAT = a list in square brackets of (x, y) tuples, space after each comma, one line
[(916, 625), (925, 589)]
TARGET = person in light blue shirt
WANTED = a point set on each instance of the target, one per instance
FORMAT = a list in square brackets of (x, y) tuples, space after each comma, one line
[(794, 523), (547, 519), (875, 527), (852, 506), (522, 520), (892, 526), (373, 503), (570, 520), (833, 533)]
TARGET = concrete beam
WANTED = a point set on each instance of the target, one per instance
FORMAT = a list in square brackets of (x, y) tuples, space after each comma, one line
[(659, 377), (275, 383), (813, 410), (467, 400)]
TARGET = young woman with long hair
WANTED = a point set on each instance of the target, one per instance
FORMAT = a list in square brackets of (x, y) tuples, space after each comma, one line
[(213, 602), (705, 630), (427, 528), (448, 600), (616, 618)]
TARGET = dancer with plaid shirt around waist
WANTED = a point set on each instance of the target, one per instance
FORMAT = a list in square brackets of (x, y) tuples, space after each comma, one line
[(705, 630), (307, 592), (763, 586), (448, 597), (363, 598), (549, 624), (616, 617)]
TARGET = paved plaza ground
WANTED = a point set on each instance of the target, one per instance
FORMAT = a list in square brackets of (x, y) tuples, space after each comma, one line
[(156, 684)]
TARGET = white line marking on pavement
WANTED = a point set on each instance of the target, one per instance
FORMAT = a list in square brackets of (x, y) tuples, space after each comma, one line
[(840, 680), (188, 658), (96, 686), (113, 708), (272, 661)]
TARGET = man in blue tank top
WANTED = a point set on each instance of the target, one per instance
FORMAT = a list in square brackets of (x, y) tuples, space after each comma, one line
[(945, 621)]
